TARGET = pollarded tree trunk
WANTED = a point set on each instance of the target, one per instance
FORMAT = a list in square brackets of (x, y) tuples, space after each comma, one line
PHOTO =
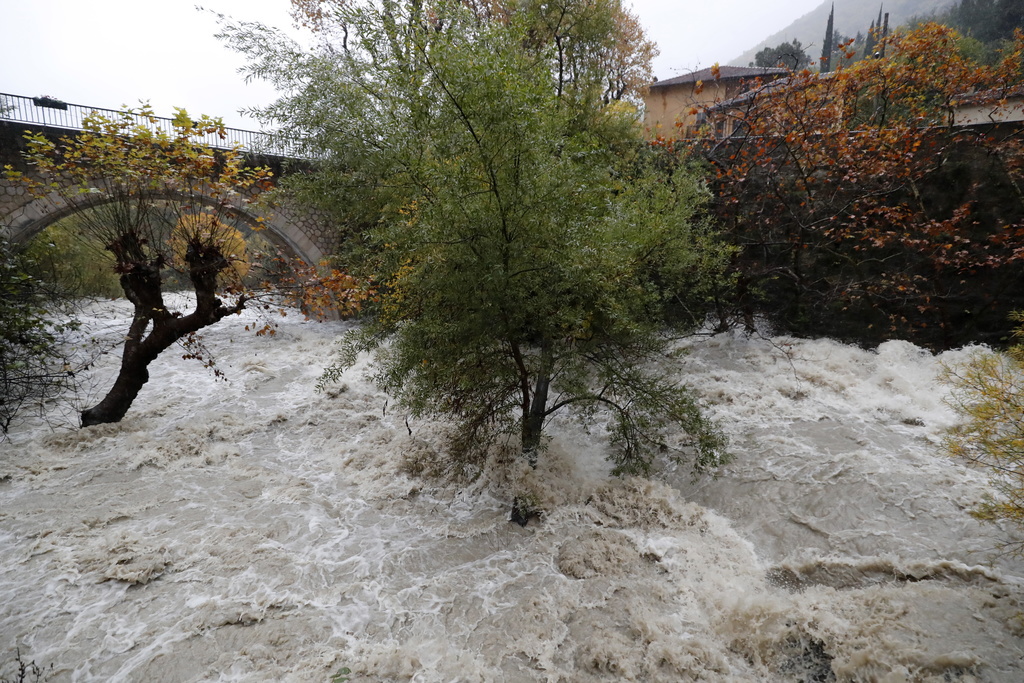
[(143, 287), (139, 352), (132, 376)]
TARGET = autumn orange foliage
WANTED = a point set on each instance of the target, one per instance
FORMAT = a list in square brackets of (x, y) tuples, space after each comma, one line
[(854, 191)]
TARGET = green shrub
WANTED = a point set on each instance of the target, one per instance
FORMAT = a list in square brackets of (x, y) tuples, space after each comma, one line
[(77, 264), (988, 392)]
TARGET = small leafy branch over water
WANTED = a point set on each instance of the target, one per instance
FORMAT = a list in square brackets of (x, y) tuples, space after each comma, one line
[(26, 672), (988, 391)]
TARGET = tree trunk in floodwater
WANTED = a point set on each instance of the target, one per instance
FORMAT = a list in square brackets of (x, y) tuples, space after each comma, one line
[(535, 410), (138, 353), (533, 421), (131, 378), (143, 287)]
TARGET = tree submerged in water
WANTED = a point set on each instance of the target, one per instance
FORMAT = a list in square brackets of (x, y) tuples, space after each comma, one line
[(160, 202), (134, 188), (529, 246)]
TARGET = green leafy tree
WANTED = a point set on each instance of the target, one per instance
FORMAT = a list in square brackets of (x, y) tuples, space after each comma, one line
[(593, 44), (988, 392), (527, 245), (589, 43), (789, 55)]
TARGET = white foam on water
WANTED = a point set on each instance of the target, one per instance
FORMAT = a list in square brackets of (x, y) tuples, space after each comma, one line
[(255, 530)]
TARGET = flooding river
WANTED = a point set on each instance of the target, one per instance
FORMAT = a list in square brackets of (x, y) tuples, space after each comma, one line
[(255, 530)]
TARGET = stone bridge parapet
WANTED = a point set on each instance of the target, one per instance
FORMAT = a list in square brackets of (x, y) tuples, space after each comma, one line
[(298, 231)]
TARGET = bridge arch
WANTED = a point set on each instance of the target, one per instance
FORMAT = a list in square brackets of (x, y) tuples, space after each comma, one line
[(297, 231), (280, 227)]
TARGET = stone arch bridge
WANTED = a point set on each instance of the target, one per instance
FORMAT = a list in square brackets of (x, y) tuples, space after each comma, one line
[(297, 231)]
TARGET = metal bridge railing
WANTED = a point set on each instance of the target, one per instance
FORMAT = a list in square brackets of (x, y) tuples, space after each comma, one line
[(53, 113)]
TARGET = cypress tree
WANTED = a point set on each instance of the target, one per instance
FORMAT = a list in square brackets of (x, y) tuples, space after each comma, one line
[(826, 48)]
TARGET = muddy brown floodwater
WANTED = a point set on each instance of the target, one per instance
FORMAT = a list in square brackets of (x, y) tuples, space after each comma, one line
[(255, 530)]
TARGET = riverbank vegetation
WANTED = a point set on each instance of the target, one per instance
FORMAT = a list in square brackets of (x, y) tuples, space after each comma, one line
[(988, 391), (883, 200), (35, 365)]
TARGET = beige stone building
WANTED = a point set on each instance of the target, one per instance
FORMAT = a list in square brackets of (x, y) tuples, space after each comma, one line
[(672, 108)]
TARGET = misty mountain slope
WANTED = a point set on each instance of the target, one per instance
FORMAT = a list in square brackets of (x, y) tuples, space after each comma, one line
[(850, 18)]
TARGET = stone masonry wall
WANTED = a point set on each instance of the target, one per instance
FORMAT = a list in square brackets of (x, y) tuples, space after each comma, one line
[(306, 232)]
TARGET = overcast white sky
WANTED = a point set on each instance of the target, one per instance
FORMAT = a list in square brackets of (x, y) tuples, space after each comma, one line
[(109, 53)]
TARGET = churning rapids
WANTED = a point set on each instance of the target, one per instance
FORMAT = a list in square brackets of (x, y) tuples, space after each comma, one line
[(255, 530)]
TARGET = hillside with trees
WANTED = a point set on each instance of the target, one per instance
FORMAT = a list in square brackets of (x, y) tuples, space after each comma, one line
[(987, 26)]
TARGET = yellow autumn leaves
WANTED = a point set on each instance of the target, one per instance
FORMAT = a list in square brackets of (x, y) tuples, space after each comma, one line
[(988, 392), (205, 232)]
